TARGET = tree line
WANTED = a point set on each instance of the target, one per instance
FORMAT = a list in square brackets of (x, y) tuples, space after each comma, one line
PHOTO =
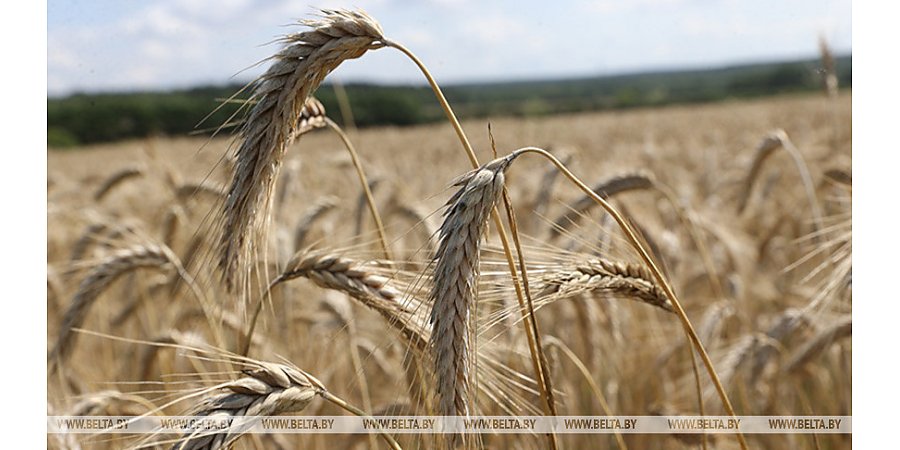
[(90, 118)]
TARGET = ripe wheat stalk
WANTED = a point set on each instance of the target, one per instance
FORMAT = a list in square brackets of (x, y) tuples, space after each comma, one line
[(841, 328), (279, 97), (361, 283), (635, 242), (605, 189), (120, 262), (265, 389), (453, 293), (602, 275), (116, 179), (775, 140), (345, 275), (313, 214)]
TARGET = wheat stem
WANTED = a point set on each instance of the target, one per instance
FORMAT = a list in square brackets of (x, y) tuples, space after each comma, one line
[(343, 404), (373, 208), (545, 372), (495, 216), (586, 373), (654, 268)]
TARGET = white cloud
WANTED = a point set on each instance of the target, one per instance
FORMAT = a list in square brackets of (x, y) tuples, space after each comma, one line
[(416, 37), (179, 43), (617, 6), (494, 29), (160, 43), (58, 56)]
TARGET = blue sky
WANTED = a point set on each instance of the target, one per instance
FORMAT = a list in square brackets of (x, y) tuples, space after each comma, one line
[(99, 45)]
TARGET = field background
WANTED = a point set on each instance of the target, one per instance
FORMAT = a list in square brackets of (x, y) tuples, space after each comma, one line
[(766, 258)]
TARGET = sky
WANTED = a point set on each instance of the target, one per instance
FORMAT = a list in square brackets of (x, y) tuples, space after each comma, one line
[(120, 45)]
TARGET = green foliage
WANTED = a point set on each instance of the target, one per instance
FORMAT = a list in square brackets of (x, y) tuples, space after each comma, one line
[(87, 118), (782, 78), (60, 138), (108, 117), (378, 105)]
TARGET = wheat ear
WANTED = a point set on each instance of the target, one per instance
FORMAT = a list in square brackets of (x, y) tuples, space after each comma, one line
[(654, 269), (342, 274), (280, 96), (356, 280), (775, 140), (533, 348), (120, 262), (605, 189), (455, 278), (836, 331), (116, 179), (267, 389), (315, 212), (312, 116), (602, 275)]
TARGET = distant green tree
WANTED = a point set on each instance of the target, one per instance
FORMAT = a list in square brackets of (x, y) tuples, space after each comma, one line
[(87, 118), (60, 138)]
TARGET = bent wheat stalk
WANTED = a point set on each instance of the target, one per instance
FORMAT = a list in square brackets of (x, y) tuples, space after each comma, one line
[(361, 174), (313, 116), (601, 275), (586, 373), (116, 179), (352, 278), (605, 189), (533, 348), (267, 389), (280, 95), (654, 269), (315, 212), (643, 180), (775, 140), (98, 280), (836, 331)]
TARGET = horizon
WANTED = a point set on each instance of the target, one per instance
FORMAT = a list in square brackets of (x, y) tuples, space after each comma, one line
[(424, 84), (124, 46)]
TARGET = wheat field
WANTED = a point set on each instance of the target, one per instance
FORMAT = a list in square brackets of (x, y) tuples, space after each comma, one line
[(163, 254)]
